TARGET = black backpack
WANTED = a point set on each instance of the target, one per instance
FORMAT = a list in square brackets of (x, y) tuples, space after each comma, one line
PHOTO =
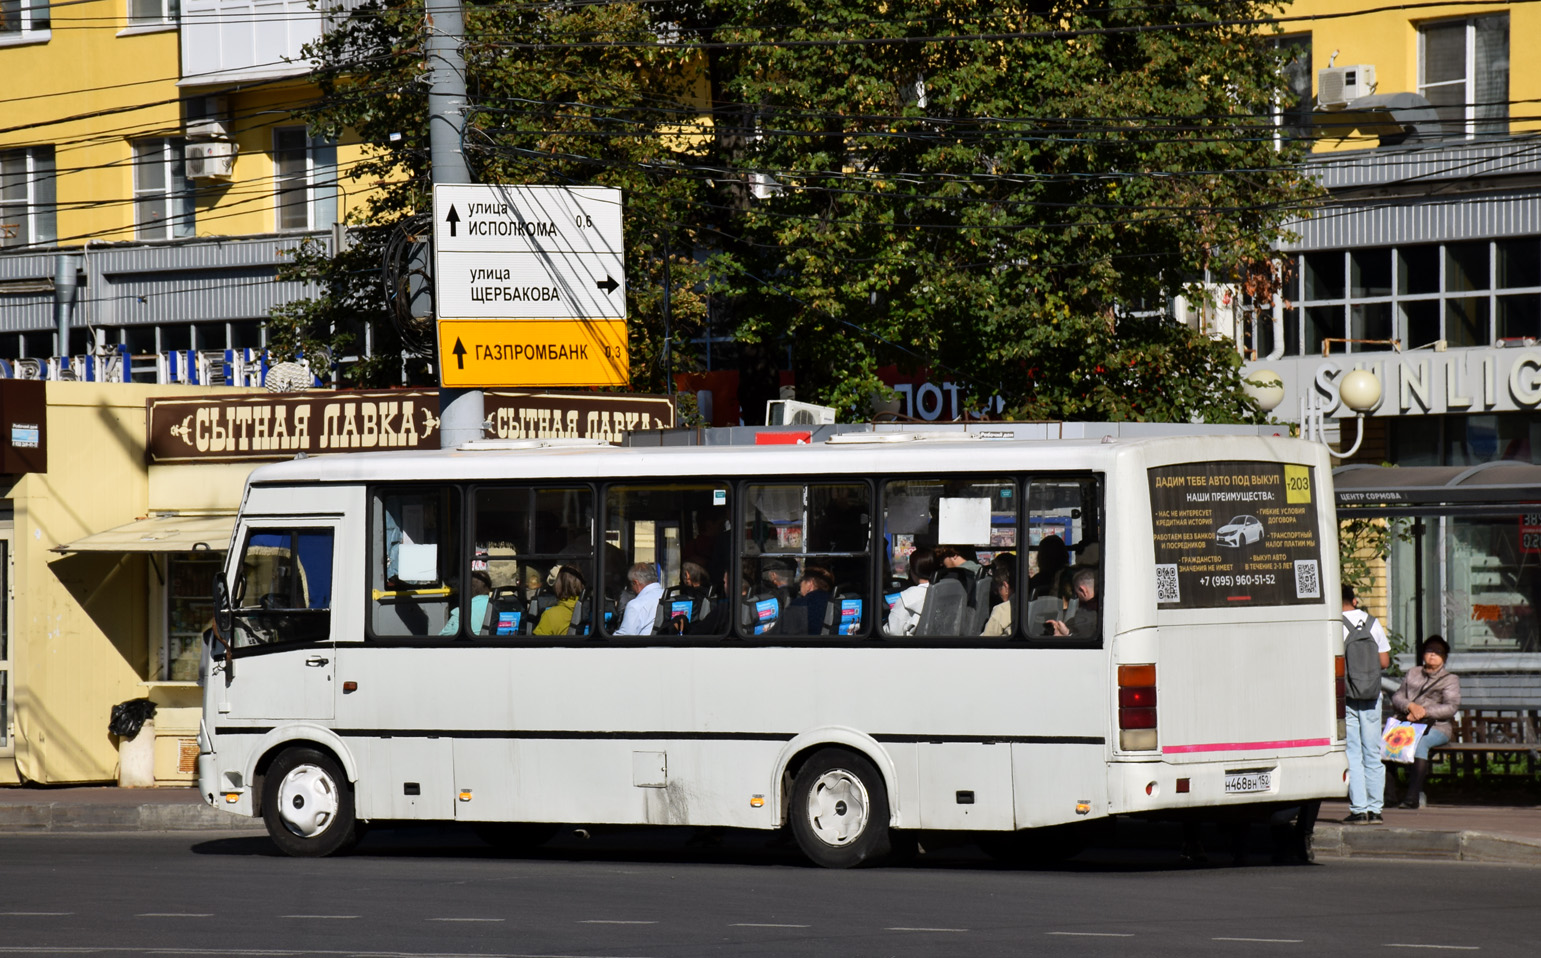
[(1361, 659)]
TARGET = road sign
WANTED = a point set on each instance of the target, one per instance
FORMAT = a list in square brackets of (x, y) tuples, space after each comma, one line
[(528, 252), (545, 352)]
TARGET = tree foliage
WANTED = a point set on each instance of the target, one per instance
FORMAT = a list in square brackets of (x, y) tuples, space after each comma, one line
[(1005, 193)]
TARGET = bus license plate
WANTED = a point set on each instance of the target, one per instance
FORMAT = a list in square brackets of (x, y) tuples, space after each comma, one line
[(1248, 781)]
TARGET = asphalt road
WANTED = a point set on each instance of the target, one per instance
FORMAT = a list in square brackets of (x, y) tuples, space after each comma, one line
[(422, 892)]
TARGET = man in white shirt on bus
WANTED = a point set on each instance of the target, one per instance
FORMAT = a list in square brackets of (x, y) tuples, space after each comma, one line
[(638, 617)]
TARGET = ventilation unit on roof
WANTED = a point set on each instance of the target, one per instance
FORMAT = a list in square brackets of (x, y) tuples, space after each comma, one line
[(210, 161), (1337, 87), (785, 412)]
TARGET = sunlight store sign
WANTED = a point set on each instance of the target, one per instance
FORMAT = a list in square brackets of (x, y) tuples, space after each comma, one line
[(1422, 383), (267, 426)]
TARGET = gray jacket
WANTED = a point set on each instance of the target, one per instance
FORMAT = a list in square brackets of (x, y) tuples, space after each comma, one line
[(1439, 693)]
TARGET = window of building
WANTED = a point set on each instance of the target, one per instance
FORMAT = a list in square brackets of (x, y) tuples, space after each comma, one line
[(1297, 106), (144, 13), (189, 605), (1471, 293), (163, 198), (305, 179), (27, 207), (1463, 70), (24, 21)]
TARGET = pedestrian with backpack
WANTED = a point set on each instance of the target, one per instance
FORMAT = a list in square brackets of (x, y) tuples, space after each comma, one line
[(1366, 652)]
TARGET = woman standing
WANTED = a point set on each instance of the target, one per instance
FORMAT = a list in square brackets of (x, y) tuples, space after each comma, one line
[(1429, 694)]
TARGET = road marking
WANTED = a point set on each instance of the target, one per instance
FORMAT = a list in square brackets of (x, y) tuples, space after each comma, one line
[(175, 914), (336, 917), (36, 914), (468, 919), (1276, 941), (1394, 944), (926, 929), (763, 924), (1091, 934), (613, 921)]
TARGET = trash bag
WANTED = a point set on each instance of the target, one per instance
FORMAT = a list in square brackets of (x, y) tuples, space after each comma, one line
[(129, 717)]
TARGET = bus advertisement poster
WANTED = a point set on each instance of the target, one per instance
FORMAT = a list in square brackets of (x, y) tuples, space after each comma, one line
[(1235, 533)]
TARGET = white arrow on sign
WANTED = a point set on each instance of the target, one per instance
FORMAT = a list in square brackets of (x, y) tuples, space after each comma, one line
[(528, 252)]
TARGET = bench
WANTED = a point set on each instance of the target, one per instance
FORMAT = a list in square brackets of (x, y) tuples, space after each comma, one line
[(1502, 742)]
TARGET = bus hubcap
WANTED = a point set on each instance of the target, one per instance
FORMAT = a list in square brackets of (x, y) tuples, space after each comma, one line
[(837, 807), (307, 800)]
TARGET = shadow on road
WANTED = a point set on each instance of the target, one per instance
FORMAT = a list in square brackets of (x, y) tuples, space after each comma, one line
[(1130, 847)]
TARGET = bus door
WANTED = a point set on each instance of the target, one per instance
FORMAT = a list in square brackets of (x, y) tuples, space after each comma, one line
[(282, 661)]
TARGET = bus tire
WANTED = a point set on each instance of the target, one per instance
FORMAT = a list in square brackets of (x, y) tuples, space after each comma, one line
[(839, 810), (307, 804)]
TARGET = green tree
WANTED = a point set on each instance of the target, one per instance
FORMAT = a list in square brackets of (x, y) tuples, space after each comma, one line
[(1006, 193)]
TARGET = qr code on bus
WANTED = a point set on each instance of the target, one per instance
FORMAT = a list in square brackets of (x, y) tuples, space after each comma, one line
[(1308, 584), (1166, 583)]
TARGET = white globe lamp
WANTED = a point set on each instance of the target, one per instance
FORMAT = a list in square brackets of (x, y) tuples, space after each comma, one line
[(1265, 387)]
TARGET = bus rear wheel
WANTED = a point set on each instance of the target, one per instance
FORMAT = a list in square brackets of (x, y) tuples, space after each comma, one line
[(307, 804), (839, 810)]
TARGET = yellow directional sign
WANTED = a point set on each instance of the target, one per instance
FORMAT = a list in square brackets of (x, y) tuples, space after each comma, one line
[(533, 352)]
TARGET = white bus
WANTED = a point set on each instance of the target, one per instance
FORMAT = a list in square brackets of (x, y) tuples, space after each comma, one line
[(387, 650)]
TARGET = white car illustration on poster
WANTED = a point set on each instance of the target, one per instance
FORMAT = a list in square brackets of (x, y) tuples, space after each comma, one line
[(1240, 531)]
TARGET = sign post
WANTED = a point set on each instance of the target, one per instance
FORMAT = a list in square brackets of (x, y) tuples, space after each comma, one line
[(529, 286)]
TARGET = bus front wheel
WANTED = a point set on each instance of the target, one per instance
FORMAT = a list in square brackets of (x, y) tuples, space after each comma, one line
[(839, 810), (307, 804)]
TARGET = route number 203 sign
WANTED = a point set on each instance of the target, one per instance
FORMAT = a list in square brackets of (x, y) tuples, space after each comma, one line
[(1235, 534)]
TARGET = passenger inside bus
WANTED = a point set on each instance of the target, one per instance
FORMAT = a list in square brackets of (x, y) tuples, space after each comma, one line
[(481, 594), (1053, 576), (1003, 572), (568, 587), (1083, 622), (805, 614), (637, 618), (905, 614)]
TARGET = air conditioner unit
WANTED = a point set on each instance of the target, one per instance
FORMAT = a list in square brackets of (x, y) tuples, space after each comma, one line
[(785, 412), (210, 161), (1337, 87), (207, 128)]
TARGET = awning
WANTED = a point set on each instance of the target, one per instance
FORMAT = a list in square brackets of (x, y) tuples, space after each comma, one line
[(1501, 487), (160, 534)]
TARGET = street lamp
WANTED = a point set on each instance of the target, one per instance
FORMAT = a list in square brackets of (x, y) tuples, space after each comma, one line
[(1359, 390)]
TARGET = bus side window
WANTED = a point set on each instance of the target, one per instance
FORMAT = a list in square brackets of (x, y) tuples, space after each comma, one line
[(283, 591), (522, 540), (670, 529), (963, 528), (414, 570), (807, 560), (1064, 571)]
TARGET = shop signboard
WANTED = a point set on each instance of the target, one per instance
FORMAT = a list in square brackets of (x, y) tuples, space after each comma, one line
[(1233, 534), (279, 426)]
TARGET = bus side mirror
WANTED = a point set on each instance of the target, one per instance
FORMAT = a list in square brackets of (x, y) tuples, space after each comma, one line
[(224, 623)]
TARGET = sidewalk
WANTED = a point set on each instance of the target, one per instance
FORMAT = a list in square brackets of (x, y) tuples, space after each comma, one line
[(1476, 833), (1472, 833)]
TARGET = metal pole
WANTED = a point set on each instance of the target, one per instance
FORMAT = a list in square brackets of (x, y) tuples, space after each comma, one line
[(66, 267), (461, 411)]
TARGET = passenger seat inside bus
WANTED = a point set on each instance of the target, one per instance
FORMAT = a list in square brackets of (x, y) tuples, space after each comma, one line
[(946, 609)]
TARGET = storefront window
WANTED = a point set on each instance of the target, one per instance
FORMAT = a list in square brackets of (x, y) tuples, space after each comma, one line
[(1493, 583), (189, 605)]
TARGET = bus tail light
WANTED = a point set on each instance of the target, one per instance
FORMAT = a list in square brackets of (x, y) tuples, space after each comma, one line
[(1340, 693), (1136, 707)]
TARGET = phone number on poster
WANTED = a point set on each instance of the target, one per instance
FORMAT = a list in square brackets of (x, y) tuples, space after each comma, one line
[(1219, 580)]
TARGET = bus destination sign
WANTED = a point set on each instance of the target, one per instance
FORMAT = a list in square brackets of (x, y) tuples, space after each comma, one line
[(1235, 534)]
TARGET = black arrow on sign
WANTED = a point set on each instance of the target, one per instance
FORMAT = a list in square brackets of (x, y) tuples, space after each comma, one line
[(460, 353), (452, 219), (608, 285)]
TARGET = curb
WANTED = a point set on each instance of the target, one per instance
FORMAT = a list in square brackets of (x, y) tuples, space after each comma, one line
[(1379, 841), (163, 817)]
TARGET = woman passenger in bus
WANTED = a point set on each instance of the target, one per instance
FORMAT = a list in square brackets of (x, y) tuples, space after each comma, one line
[(905, 614), (1003, 571), (569, 586)]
